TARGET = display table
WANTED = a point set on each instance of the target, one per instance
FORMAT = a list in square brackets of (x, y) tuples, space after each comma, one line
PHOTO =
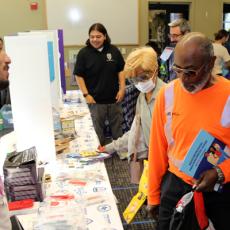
[(79, 195), (80, 198)]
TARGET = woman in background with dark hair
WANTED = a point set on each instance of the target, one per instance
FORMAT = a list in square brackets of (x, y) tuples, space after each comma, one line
[(222, 62), (98, 74)]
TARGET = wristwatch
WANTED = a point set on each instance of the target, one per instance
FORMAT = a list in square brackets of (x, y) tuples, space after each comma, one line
[(85, 94), (220, 175)]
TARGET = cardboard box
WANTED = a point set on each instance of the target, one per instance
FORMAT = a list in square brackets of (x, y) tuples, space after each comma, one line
[(68, 126)]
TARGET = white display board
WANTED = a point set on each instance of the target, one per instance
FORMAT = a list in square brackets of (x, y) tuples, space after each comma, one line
[(30, 94), (120, 17), (54, 65)]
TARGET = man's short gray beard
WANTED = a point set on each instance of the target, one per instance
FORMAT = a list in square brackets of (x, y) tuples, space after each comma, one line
[(198, 87)]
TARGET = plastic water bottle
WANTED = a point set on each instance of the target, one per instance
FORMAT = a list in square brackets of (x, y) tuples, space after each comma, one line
[(1, 122), (56, 121)]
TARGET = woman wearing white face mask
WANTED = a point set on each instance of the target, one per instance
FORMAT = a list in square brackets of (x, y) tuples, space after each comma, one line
[(141, 69)]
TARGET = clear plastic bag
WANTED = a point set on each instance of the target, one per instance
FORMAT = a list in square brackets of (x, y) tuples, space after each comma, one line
[(56, 214), (64, 206)]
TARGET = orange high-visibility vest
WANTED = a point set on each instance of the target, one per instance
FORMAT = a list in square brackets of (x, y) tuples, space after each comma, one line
[(177, 118)]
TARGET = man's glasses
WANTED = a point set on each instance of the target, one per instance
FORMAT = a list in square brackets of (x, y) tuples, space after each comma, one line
[(187, 72), (142, 77), (174, 35)]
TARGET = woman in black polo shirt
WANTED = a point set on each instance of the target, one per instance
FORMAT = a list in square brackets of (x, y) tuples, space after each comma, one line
[(98, 73)]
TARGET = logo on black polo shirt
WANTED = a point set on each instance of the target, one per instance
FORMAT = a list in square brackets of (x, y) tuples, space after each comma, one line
[(109, 57)]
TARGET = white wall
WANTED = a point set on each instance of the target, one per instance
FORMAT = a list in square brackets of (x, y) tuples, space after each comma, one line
[(120, 17)]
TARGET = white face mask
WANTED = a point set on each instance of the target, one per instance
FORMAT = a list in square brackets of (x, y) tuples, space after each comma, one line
[(146, 86)]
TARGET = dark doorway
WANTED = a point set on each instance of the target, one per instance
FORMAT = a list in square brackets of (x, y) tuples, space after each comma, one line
[(159, 16), (226, 15)]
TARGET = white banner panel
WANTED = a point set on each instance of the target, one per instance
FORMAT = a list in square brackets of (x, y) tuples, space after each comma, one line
[(30, 94), (54, 65)]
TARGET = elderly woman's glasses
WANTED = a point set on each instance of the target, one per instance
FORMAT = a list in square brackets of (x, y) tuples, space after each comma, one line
[(142, 77)]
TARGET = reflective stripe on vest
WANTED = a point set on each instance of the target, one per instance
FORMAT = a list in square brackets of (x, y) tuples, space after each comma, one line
[(225, 118), (225, 121), (169, 98)]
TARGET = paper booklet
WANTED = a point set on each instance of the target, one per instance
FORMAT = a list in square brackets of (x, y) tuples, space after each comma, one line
[(205, 152)]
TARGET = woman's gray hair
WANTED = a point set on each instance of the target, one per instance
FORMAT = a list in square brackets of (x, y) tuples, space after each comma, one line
[(182, 23)]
